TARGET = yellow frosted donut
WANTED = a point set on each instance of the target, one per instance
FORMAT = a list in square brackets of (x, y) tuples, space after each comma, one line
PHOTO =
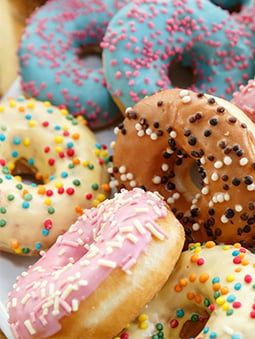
[(68, 168), (209, 295)]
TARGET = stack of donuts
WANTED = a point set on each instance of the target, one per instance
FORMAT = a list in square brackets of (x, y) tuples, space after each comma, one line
[(169, 255)]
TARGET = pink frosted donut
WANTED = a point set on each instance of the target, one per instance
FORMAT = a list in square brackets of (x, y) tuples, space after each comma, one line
[(101, 272), (147, 41), (245, 99), (51, 60)]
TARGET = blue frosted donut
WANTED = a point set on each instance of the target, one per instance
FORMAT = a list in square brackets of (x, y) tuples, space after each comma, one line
[(51, 66), (147, 40)]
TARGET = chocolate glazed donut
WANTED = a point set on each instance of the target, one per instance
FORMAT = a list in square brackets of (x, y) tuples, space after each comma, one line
[(171, 135)]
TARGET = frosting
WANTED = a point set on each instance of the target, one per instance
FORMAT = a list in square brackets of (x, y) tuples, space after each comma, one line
[(69, 168), (112, 235), (51, 63), (244, 99), (210, 295), (145, 39)]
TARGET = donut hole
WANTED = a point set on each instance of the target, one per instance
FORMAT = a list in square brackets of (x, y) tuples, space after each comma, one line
[(191, 328), (235, 8), (181, 75), (90, 55), (27, 172), (189, 175), (196, 176)]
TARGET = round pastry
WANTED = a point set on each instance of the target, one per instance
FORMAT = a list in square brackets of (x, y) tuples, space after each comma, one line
[(245, 99), (210, 295), (198, 152), (51, 167), (101, 272), (55, 57), (191, 44)]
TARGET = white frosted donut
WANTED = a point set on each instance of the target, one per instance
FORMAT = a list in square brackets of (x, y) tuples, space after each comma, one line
[(210, 295), (69, 167), (101, 272)]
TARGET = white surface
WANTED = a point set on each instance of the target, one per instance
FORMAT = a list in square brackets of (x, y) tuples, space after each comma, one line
[(11, 265)]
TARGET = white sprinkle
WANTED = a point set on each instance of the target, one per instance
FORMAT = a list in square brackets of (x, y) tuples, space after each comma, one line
[(123, 177), (226, 197), (14, 302), (176, 196), (24, 274), (173, 134), (84, 262), (80, 241), (138, 127), (156, 179), (205, 190), (202, 160), (68, 290), (206, 180), (186, 99), (238, 208), (228, 330), (140, 210), (183, 92), (122, 169), (251, 187), (75, 305), (132, 183), (211, 204), (224, 219), (154, 231), (243, 161), (116, 130), (126, 229), (56, 306), (220, 197), (139, 226), (170, 200), (214, 176), (153, 136), (218, 164), (140, 133), (61, 252), (29, 327), (148, 131), (107, 263), (132, 238), (164, 167), (227, 161), (195, 227), (130, 176), (83, 282)]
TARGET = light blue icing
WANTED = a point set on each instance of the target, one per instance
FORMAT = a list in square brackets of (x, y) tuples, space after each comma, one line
[(144, 38), (50, 67)]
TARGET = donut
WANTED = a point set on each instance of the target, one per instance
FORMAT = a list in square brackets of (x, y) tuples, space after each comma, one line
[(244, 99), (198, 152), (209, 295), (51, 168), (101, 272), (52, 63), (153, 45)]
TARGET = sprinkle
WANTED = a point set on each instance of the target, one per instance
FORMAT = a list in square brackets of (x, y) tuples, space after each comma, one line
[(107, 263)]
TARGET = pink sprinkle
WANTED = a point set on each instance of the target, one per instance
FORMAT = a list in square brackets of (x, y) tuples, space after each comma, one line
[(200, 261), (236, 304), (118, 75), (248, 278)]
